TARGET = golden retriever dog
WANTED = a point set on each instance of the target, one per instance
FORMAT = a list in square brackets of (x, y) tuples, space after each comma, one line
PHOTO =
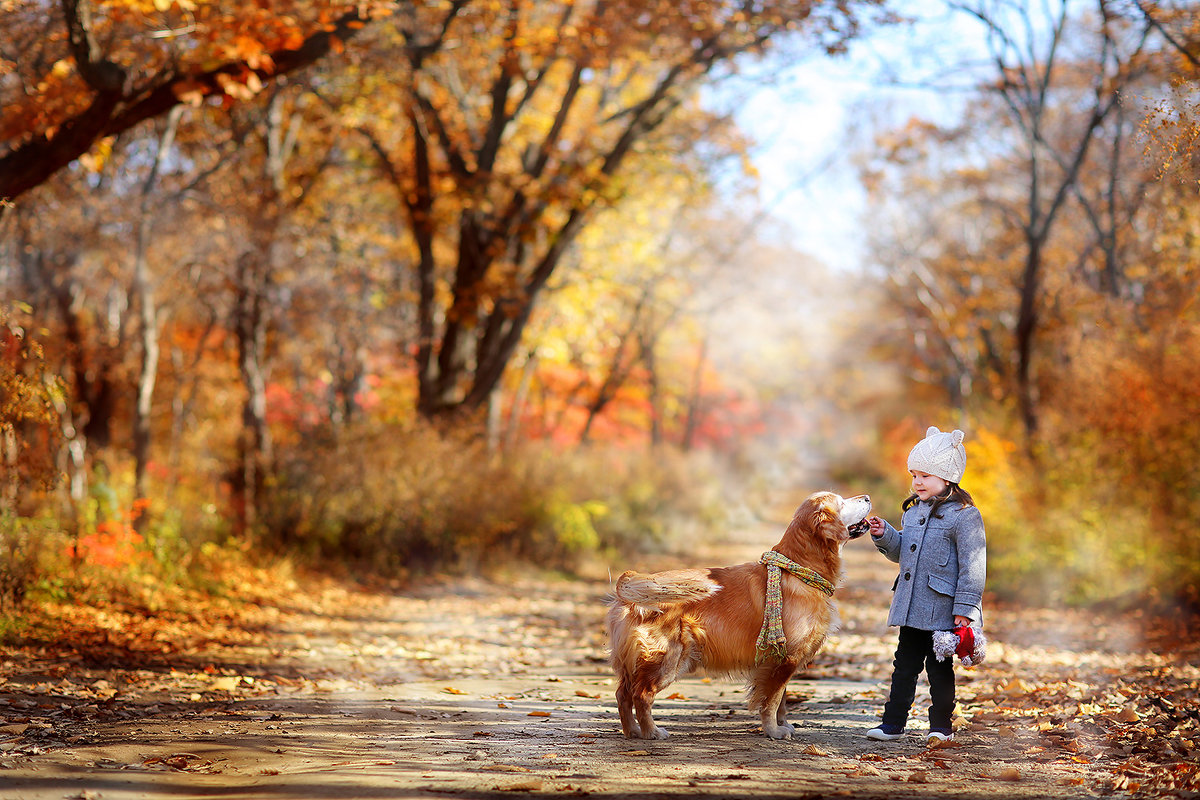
[(666, 625)]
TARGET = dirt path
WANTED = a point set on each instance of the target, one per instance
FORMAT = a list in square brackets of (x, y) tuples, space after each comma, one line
[(480, 688)]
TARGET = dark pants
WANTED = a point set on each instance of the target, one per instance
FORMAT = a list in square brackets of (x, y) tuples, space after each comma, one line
[(914, 653)]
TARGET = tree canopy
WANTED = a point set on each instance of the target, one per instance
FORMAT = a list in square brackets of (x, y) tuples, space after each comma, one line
[(79, 71)]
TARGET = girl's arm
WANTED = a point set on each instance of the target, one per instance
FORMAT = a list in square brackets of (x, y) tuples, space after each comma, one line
[(886, 538), (972, 565)]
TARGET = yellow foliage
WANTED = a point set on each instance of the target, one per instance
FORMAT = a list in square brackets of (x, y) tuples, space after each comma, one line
[(94, 160), (992, 473)]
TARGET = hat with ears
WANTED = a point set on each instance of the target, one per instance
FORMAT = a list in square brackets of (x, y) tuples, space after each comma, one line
[(940, 453)]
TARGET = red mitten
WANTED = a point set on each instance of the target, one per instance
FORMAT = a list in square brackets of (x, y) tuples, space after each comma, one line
[(968, 644), (972, 645)]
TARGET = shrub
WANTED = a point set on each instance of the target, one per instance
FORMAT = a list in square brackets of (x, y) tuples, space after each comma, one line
[(401, 500), (25, 546)]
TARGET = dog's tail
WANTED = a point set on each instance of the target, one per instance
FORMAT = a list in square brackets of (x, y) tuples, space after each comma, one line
[(649, 593)]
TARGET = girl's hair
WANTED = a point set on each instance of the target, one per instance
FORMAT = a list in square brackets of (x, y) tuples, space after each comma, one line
[(952, 492)]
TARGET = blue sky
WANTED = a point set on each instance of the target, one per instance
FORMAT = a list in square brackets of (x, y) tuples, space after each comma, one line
[(810, 113)]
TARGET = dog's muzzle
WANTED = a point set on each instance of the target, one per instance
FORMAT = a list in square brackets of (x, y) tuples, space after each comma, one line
[(858, 528)]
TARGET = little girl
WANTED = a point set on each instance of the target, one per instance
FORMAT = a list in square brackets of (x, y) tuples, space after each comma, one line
[(942, 553)]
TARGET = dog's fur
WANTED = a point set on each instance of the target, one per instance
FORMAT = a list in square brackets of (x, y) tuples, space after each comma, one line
[(669, 624)]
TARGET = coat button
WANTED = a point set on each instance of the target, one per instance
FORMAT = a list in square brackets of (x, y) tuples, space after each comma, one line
[(907, 575), (913, 548), (921, 521)]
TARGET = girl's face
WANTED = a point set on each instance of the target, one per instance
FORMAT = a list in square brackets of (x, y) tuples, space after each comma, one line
[(926, 486)]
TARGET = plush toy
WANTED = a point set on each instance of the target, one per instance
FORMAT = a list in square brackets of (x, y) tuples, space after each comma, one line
[(968, 644)]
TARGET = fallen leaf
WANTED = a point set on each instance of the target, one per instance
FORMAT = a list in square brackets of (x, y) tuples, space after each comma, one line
[(918, 777), (524, 786), (538, 714), (1017, 686), (1127, 714), (1009, 774), (676, 696), (452, 690)]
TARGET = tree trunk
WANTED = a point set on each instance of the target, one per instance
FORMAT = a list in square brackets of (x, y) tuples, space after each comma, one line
[(692, 421), (250, 328), (143, 292), (653, 391), (516, 409), (72, 463), (1027, 323)]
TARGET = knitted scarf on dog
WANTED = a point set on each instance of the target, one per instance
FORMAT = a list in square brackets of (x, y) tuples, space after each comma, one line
[(771, 639)]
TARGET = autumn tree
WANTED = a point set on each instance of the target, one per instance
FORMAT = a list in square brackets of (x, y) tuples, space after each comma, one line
[(1033, 70), (1174, 125), (1055, 205), (622, 307), (29, 424), (519, 120), (270, 245), (78, 71), (1056, 106)]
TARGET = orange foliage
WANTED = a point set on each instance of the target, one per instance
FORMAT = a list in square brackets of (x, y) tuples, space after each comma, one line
[(1139, 416), (114, 545)]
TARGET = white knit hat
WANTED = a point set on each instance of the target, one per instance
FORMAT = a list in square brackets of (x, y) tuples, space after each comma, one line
[(941, 454)]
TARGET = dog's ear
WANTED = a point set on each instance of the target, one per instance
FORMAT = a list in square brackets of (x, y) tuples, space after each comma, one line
[(832, 525), (825, 516)]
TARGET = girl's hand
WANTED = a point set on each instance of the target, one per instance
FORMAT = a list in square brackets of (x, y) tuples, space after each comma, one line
[(876, 526), (962, 622)]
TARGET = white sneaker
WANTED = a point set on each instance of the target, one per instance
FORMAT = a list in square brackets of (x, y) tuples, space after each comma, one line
[(937, 737), (885, 733)]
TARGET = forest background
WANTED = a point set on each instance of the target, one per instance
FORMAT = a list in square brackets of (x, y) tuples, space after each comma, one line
[(391, 288)]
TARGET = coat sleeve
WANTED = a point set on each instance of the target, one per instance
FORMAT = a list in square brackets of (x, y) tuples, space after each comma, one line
[(889, 542), (972, 565)]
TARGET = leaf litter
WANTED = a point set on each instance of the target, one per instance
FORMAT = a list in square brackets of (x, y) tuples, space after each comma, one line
[(1065, 707)]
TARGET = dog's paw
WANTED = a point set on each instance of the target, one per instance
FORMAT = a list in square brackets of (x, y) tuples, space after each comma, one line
[(783, 731), (659, 733)]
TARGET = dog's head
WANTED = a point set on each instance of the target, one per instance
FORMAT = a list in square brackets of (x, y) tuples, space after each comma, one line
[(854, 514), (835, 517)]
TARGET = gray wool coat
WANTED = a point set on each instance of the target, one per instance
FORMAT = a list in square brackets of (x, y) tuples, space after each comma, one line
[(943, 563)]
